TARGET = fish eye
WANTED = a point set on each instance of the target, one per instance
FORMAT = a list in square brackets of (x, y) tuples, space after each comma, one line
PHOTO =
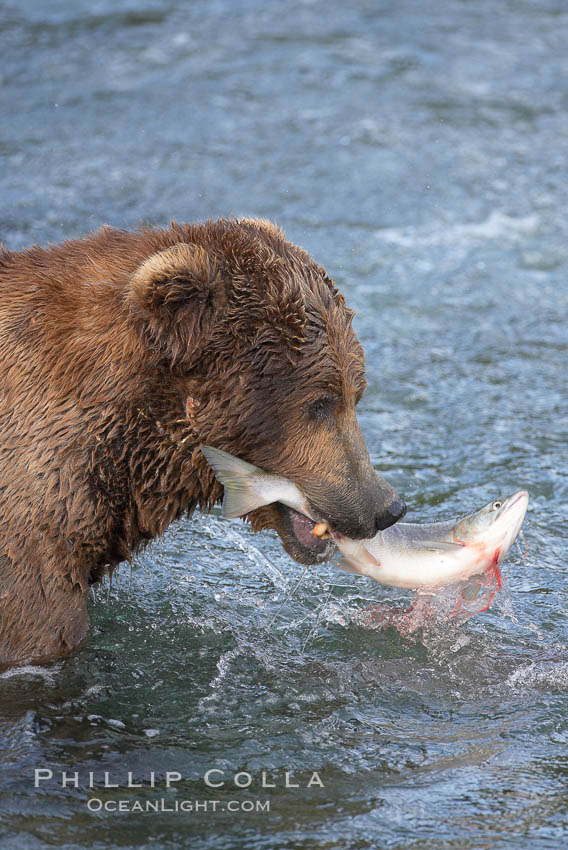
[(496, 505)]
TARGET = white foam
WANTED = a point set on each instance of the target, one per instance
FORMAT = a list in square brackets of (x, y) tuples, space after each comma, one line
[(31, 670), (498, 225), (550, 675)]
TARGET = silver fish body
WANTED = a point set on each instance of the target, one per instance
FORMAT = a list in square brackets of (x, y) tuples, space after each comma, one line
[(438, 554), (407, 555)]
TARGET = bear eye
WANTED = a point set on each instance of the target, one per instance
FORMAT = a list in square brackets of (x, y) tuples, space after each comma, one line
[(322, 408)]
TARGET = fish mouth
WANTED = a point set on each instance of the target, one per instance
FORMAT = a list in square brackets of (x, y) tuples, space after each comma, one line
[(514, 511), (306, 540), (515, 499)]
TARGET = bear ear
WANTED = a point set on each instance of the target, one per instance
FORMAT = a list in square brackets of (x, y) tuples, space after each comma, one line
[(174, 295)]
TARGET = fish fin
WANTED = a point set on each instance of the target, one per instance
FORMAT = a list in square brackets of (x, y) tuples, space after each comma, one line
[(357, 565), (346, 566), (235, 476), (439, 545)]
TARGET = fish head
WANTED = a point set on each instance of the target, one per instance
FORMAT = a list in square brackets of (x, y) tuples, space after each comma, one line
[(496, 525)]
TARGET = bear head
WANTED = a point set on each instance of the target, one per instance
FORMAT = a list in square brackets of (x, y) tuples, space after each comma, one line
[(258, 343)]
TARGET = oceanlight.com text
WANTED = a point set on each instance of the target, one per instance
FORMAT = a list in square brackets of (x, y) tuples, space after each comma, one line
[(160, 806)]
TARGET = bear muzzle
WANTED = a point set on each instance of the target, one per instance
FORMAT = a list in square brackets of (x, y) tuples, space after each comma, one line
[(357, 515)]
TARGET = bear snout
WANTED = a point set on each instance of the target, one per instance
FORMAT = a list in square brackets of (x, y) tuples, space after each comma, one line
[(357, 511), (391, 514)]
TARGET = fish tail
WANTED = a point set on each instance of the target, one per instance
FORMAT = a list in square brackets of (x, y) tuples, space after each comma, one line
[(238, 479)]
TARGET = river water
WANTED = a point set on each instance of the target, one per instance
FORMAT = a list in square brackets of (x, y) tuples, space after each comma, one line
[(419, 151)]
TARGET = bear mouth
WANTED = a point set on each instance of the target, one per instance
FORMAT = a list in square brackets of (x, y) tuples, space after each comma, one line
[(297, 533)]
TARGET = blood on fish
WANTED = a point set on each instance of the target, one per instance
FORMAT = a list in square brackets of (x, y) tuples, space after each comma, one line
[(495, 574), (454, 602), (492, 576)]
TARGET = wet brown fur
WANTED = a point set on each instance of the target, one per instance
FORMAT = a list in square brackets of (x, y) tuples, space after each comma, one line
[(123, 352)]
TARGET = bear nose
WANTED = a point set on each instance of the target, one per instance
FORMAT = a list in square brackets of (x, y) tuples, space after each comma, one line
[(391, 514)]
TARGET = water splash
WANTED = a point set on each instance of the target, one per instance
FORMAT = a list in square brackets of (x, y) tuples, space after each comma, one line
[(288, 596), (33, 672), (223, 530), (546, 675), (433, 608)]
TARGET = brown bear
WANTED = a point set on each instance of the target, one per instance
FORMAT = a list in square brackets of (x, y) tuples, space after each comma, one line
[(121, 353)]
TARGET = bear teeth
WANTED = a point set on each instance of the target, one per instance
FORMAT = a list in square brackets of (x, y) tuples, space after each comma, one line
[(320, 529)]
